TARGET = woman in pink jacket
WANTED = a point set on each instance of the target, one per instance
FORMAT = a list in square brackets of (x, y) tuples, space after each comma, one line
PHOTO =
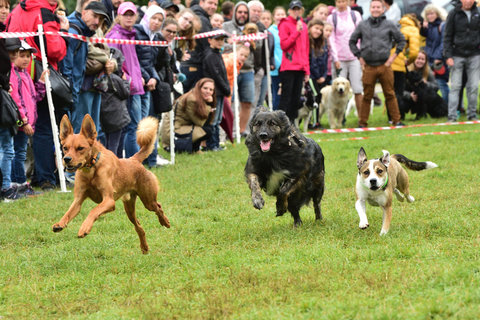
[(295, 67)]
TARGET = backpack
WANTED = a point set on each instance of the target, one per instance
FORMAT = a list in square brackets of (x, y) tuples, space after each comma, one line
[(334, 19)]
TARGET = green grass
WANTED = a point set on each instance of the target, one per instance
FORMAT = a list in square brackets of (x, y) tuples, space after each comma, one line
[(222, 259)]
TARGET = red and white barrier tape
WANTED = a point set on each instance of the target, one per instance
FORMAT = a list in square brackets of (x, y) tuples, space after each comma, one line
[(350, 130), (421, 134), (258, 36)]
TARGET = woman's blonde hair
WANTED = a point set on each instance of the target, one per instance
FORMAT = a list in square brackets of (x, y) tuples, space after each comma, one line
[(441, 13)]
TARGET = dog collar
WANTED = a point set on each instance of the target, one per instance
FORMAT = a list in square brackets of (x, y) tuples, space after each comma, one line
[(385, 184), (92, 163)]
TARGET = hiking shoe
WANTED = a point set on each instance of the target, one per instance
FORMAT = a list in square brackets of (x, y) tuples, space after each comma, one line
[(27, 190), (399, 124), (161, 161), (474, 118), (10, 194), (47, 186)]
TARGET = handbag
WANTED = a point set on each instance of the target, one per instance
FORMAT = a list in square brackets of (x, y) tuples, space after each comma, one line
[(9, 114), (61, 87), (183, 142), (162, 97)]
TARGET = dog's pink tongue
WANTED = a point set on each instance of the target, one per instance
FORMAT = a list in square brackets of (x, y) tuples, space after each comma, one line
[(265, 145)]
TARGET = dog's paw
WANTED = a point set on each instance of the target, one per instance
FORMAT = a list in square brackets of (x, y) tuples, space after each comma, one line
[(57, 227), (144, 249), (297, 223), (399, 195), (363, 225), (281, 209), (258, 202), (164, 221), (410, 198), (383, 232)]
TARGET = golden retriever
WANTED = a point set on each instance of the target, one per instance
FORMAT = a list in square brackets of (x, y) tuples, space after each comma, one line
[(334, 101)]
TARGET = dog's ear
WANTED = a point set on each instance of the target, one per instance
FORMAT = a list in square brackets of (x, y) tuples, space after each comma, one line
[(89, 130), (386, 158), (66, 128), (282, 116), (361, 158)]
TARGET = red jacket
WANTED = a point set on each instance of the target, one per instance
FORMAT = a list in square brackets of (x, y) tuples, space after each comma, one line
[(27, 16), (295, 46)]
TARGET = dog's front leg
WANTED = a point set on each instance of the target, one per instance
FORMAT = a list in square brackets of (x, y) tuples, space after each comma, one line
[(107, 205), (254, 185), (387, 217), (361, 207), (70, 214)]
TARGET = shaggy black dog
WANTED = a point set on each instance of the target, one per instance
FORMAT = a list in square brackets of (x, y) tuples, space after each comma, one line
[(284, 163), (428, 101)]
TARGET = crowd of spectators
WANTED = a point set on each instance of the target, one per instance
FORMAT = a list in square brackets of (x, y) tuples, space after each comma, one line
[(119, 84)]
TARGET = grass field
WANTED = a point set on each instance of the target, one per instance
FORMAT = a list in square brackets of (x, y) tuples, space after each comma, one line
[(222, 259)]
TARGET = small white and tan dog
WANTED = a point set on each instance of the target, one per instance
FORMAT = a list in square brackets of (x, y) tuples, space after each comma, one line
[(334, 101), (379, 179)]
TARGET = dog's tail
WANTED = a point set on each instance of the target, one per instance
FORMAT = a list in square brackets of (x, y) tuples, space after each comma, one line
[(414, 165), (146, 133)]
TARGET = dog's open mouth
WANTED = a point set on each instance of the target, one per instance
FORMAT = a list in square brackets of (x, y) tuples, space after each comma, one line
[(374, 188), (265, 145), (71, 168)]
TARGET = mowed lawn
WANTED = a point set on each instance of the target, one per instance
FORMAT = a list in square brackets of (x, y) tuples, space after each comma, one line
[(223, 259)]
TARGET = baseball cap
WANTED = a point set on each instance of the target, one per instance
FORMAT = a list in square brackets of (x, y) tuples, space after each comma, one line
[(99, 8), (126, 6), (169, 4), (12, 44), (295, 4), (220, 35), (24, 46)]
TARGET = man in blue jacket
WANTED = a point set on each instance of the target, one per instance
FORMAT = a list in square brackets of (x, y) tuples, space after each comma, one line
[(83, 23)]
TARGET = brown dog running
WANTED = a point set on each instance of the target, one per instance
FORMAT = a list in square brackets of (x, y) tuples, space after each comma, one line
[(104, 178)]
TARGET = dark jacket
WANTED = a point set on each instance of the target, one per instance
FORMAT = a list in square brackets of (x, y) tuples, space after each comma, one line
[(461, 38), (260, 57), (74, 63), (378, 36), (5, 66), (319, 64), (197, 55), (434, 43), (165, 64), (213, 67), (147, 55), (113, 112), (27, 16)]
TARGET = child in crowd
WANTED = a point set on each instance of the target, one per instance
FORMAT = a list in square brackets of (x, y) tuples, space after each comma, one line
[(26, 94), (214, 68), (327, 31), (319, 12), (216, 20), (266, 18), (243, 51), (123, 29)]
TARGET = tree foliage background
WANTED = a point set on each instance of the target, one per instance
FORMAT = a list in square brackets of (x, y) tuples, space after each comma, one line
[(269, 4)]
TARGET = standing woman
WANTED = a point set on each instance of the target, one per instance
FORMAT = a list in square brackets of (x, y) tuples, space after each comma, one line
[(188, 24), (432, 29), (295, 68), (148, 29), (123, 29), (193, 113), (278, 14)]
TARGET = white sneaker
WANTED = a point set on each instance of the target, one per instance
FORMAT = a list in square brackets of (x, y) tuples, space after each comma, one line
[(161, 161)]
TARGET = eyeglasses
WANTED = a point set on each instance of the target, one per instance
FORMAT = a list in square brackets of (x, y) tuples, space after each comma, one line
[(170, 31)]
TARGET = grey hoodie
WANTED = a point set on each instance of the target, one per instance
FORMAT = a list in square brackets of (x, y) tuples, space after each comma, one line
[(377, 37), (233, 26)]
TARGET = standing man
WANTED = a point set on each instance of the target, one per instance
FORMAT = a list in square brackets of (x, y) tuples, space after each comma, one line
[(377, 35), (83, 23), (192, 68), (245, 80), (112, 7), (25, 18), (295, 67), (461, 44)]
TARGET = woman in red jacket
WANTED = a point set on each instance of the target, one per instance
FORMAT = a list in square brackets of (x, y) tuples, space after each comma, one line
[(295, 67)]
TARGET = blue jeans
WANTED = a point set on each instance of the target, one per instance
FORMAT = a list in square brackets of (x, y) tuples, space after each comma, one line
[(192, 74), (43, 147), (152, 158), (18, 165), (471, 65), (6, 156), (275, 96), (214, 140), (134, 106), (88, 102), (444, 88)]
